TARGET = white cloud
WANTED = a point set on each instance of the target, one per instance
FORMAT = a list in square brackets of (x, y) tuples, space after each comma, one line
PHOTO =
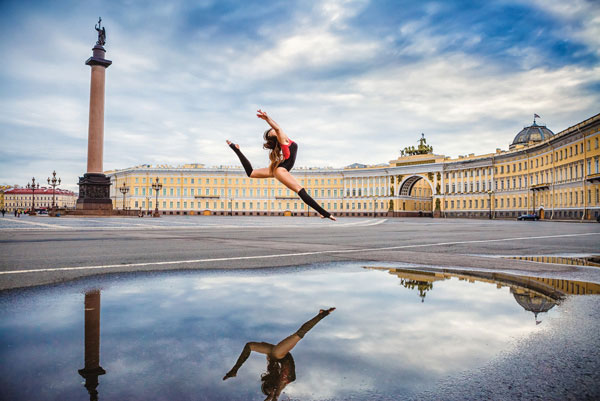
[(583, 14), (343, 95)]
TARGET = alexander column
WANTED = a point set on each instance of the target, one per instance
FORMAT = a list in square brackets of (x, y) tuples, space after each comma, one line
[(92, 368), (94, 186)]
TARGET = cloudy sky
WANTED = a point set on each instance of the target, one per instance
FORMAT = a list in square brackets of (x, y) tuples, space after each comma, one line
[(350, 80)]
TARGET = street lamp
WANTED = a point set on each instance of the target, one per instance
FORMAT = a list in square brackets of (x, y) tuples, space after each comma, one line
[(124, 189), (374, 207), (53, 183), (33, 186), (490, 193), (156, 186)]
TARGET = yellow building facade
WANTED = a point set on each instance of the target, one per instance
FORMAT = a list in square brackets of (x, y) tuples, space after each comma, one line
[(556, 176), (3, 188)]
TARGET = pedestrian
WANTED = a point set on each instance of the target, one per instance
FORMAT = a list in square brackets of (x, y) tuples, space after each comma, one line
[(3, 212), (282, 156)]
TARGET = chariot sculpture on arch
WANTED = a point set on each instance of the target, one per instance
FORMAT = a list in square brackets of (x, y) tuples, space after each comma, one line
[(101, 33)]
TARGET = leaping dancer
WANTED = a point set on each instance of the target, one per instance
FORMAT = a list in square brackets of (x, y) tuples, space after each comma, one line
[(282, 156), (281, 369)]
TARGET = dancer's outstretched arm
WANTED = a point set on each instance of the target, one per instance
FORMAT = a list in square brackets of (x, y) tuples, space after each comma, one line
[(263, 348), (281, 136)]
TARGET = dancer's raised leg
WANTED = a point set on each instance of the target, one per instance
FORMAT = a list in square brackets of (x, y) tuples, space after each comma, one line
[(289, 181), (288, 343), (238, 152)]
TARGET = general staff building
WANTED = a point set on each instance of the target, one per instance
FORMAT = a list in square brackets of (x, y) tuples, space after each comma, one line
[(556, 176)]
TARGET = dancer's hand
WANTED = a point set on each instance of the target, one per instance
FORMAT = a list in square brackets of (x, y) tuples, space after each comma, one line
[(262, 115), (326, 310)]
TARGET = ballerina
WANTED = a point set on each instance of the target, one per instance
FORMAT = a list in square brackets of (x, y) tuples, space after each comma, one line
[(282, 157), (281, 369)]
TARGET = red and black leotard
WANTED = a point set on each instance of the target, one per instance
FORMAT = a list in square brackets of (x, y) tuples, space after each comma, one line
[(289, 154)]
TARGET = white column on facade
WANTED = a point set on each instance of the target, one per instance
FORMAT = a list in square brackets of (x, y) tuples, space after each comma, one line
[(443, 184), (362, 183), (385, 185)]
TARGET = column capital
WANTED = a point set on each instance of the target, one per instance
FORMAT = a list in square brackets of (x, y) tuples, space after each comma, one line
[(97, 58)]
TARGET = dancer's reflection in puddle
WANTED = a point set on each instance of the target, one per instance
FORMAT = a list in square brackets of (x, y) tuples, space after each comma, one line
[(280, 364)]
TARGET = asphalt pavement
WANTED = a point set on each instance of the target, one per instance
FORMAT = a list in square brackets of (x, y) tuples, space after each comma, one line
[(44, 250)]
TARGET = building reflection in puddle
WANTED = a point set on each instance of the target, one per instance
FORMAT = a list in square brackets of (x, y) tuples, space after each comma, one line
[(534, 294), (173, 336), (281, 368), (92, 368), (561, 260)]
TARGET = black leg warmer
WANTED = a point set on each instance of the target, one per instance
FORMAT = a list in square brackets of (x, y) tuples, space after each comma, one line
[(312, 203), (245, 162), (310, 324)]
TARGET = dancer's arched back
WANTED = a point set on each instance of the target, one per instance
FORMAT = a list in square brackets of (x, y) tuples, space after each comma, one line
[(281, 369), (282, 157)]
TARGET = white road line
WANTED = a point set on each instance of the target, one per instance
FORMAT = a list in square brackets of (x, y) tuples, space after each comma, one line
[(138, 226), (34, 224), (174, 262)]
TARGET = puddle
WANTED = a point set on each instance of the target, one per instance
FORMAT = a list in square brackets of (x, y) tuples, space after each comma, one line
[(394, 334), (593, 260)]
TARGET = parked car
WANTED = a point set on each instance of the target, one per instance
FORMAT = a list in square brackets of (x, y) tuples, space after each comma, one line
[(529, 216)]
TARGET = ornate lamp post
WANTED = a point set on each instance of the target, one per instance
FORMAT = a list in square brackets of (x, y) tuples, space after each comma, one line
[(156, 186), (124, 189), (490, 193), (33, 186), (374, 207), (53, 183)]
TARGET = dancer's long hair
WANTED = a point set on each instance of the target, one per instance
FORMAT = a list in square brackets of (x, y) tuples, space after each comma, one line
[(270, 379), (276, 157)]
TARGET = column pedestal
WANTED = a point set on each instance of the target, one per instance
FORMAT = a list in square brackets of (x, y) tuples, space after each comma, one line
[(94, 192)]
